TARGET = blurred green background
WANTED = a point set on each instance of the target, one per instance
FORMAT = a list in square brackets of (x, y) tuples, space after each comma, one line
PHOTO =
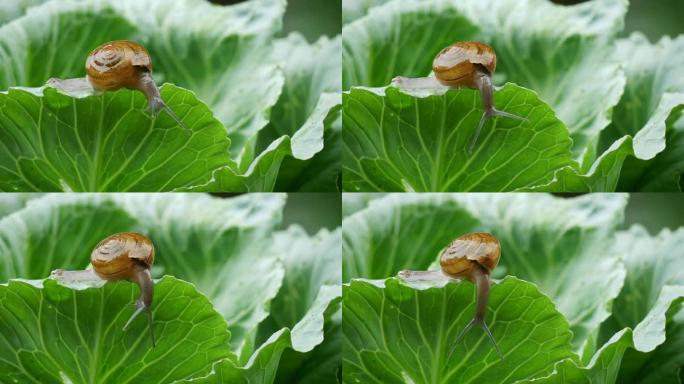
[(312, 18), (313, 211), (655, 211), (655, 18)]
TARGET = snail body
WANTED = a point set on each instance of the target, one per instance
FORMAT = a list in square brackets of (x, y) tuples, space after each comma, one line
[(470, 257), (468, 64), (473, 257), (125, 64), (130, 256)]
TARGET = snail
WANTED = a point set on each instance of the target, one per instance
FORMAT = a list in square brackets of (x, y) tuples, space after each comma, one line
[(125, 64), (472, 257), (129, 256), (465, 64)]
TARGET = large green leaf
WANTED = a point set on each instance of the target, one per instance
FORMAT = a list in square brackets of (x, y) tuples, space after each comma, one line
[(398, 142), (395, 333), (52, 333), (400, 232), (552, 242), (52, 141)]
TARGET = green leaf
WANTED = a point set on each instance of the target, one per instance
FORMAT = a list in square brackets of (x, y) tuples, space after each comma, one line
[(400, 232), (397, 142), (312, 77), (641, 148), (227, 248), (653, 71), (52, 334), (563, 235), (310, 288), (310, 70), (323, 172), (394, 333), (55, 142), (645, 337), (652, 263), (310, 264), (656, 135), (264, 362), (57, 231), (261, 172), (399, 38)]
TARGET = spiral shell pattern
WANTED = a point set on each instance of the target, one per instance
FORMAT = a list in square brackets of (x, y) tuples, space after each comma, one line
[(116, 256), (455, 65), (117, 64), (462, 254)]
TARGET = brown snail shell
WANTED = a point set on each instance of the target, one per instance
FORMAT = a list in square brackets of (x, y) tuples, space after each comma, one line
[(470, 251), (117, 256), (125, 64), (455, 65), (128, 255), (117, 64)]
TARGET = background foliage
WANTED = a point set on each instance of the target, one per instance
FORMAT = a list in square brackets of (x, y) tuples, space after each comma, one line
[(246, 298), (616, 96), (611, 288), (270, 97)]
